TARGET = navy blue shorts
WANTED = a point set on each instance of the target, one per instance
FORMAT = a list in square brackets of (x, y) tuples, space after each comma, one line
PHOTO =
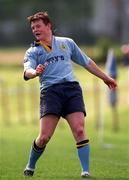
[(62, 99)]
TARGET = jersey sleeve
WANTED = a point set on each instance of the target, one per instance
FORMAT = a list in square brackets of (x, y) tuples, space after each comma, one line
[(78, 56), (30, 60)]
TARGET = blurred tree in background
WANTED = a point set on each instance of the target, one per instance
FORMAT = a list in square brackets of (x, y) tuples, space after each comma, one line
[(66, 16), (85, 21)]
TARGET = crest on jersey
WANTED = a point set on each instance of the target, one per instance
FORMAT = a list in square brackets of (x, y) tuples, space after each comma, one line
[(63, 46)]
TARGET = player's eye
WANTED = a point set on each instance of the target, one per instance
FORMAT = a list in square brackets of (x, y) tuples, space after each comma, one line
[(32, 27), (38, 26)]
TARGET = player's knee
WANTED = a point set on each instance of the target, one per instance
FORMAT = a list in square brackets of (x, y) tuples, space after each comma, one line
[(79, 132), (43, 140)]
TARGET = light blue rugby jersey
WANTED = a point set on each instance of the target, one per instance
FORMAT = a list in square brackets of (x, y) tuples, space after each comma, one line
[(58, 61)]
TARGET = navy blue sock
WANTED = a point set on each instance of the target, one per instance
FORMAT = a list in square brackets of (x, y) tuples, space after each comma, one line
[(35, 154), (83, 154)]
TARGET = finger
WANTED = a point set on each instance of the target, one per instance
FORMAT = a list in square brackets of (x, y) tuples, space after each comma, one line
[(40, 65)]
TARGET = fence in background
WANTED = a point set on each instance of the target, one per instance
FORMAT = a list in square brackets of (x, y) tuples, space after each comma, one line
[(18, 103)]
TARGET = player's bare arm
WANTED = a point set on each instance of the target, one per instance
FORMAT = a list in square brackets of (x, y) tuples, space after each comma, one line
[(32, 73), (94, 69)]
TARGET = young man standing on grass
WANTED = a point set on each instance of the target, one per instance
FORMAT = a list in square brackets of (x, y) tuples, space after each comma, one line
[(60, 93)]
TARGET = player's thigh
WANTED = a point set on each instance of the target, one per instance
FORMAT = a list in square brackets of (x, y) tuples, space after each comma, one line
[(75, 120), (48, 124)]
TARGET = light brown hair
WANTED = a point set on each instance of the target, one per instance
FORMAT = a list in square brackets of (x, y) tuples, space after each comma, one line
[(40, 15)]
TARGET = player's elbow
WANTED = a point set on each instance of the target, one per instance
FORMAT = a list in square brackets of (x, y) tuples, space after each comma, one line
[(29, 74), (25, 76)]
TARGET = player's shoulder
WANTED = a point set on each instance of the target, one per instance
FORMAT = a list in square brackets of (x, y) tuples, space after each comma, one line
[(34, 46), (64, 39)]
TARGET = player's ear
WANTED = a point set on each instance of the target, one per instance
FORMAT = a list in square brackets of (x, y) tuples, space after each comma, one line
[(49, 25)]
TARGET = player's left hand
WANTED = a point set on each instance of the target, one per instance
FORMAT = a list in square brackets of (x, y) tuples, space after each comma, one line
[(111, 83)]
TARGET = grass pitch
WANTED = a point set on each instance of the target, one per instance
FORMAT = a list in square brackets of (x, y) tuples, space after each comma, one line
[(108, 159)]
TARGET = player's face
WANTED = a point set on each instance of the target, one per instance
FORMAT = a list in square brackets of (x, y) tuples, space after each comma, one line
[(40, 30)]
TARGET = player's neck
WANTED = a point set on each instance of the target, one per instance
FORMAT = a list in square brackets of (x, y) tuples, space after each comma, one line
[(47, 41)]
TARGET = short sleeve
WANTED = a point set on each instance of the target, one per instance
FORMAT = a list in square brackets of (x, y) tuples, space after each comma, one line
[(30, 59), (78, 56)]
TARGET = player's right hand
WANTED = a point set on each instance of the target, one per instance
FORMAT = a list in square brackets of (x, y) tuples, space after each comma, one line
[(40, 69)]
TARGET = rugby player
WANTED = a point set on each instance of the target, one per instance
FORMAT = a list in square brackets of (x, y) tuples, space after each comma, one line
[(50, 59)]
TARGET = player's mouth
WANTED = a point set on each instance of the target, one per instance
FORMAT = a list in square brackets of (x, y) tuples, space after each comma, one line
[(37, 34)]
